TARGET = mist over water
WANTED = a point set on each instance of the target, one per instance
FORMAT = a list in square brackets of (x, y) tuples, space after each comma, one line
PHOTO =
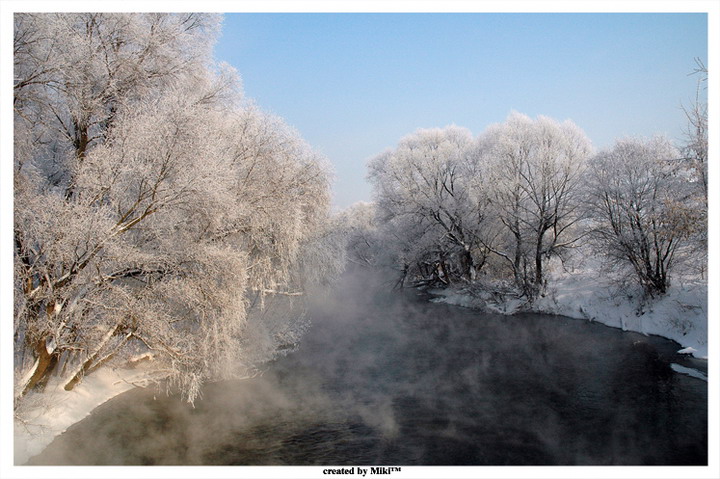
[(386, 377)]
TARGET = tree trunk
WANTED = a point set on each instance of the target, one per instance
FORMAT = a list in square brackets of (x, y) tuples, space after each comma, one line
[(538, 265), (517, 263), (44, 364), (470, 269), (81, 138), (445, 276), (77, 374)]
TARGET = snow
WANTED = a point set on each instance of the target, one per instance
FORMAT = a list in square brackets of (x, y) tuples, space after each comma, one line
[(681, 314), (689, 371), (47, 415)]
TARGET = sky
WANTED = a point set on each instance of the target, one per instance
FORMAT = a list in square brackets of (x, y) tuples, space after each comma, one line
[(353, 84)]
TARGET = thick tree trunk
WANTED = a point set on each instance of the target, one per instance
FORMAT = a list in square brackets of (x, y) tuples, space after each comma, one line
[(44, 364)]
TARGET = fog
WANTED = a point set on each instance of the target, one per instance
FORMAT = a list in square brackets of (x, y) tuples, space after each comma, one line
[(387, 377)]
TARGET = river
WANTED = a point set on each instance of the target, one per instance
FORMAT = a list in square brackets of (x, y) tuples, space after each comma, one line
[(387, 377)]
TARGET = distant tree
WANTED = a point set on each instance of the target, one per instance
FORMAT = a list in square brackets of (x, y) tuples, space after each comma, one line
[(694, 166), (533, 170), (696, 147), (424, 194), (358, 232), (637, 204)]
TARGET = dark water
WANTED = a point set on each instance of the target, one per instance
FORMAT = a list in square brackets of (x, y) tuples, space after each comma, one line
[(389, 378)]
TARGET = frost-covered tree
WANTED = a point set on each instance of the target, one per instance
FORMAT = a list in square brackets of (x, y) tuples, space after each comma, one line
[(694, 167), (357, 230), (533, 170), (636, 201), (155, 210), (425, 197), (75, 72), (452, 203), (696, 146)]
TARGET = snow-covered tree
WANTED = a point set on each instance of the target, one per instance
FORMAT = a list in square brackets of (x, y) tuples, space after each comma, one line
[(694, 165), (75, 72), (155, 209), (637, 203), (533, 170), (696, 147), (424, 192), (357, 231)]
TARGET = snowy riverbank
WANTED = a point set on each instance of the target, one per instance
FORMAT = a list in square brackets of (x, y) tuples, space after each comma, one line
[(680, 315), (46, 415)]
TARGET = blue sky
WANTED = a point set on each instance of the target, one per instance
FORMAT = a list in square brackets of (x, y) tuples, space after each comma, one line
[(353, 84)]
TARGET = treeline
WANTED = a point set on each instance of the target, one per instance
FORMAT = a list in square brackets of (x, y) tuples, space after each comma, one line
[(497, 209), (158, 213)]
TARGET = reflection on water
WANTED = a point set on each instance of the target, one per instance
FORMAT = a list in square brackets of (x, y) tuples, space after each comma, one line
[(389, 378)]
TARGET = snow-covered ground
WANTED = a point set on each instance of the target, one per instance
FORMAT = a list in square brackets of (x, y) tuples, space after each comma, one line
[(46, 415), (680, 315)]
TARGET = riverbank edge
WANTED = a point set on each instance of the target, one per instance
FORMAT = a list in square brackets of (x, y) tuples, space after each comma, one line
[(680, 315)]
